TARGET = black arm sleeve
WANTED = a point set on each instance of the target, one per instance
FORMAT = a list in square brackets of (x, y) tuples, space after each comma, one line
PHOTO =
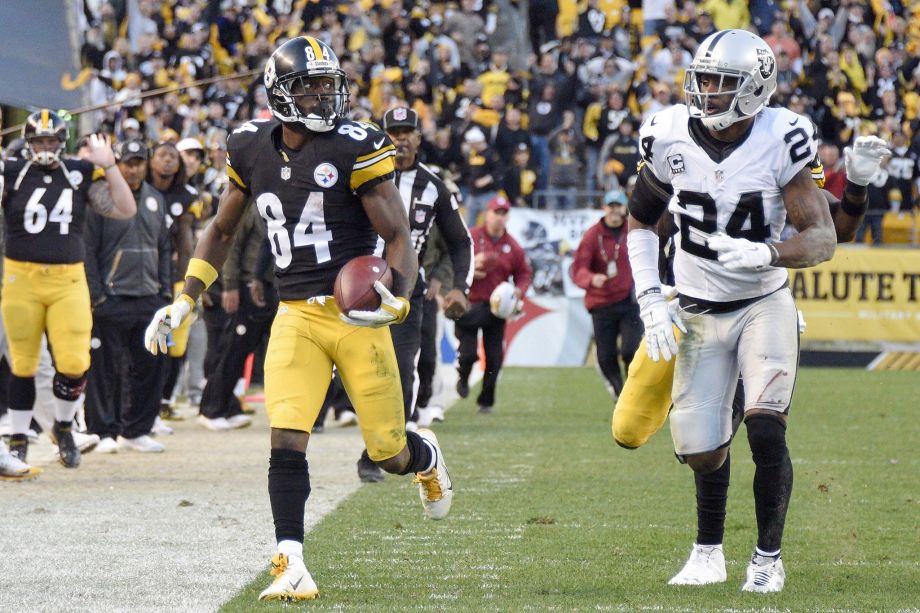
[(650, 198), (456, 237), (165, 264)]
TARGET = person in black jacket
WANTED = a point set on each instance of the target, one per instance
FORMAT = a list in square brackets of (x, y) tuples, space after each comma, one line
[(128, 272)]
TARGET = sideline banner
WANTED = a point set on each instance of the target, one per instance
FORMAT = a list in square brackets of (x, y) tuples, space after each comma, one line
[(862, 294)]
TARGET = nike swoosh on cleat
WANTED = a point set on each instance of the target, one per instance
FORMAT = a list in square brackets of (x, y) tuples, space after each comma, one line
[(654, 119), (294, 585), (379, 143)]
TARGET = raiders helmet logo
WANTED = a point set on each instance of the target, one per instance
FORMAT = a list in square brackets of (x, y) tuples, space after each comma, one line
[(767, 63)]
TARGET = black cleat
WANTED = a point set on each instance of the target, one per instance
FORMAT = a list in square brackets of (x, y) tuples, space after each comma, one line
[(67, 448), (19, 446), (463, 388), (368, 471)]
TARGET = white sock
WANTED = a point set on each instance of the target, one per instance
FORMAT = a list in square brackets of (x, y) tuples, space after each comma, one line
[(20, 420), (291, 548), (65, 410), (767, 554)]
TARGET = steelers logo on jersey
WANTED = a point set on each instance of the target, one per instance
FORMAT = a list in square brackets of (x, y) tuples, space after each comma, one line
[(151, 203), (325, 175), (175, 209), (76, 177)]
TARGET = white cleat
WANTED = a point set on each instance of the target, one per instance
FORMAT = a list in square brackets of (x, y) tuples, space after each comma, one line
[(107, 445), (765, 578), (429, 415), (346, 419), (217, 424), (160, 428), (434, 487), (14, 469), (292, 580), (706, 565), (239, 421), (84, 441), (142, 444)]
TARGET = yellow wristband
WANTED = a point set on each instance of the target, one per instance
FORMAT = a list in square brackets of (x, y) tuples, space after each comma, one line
[(187, 299), (202, 270)]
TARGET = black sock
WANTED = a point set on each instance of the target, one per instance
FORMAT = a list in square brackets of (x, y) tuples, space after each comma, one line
[(288, 490), (711, 499), (420, 454), (772, 479)]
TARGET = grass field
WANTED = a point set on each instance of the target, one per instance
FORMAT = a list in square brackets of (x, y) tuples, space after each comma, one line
[(549, 515)]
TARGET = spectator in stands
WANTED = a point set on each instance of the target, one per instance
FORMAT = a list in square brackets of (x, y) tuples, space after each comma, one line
[(835, 178), (481, 173), (601, 268), (520, 179), (128, 272), (545, 115), (565, 144), (619, 156)]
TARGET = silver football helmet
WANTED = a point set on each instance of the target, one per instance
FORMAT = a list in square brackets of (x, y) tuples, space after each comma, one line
[(746, 70)]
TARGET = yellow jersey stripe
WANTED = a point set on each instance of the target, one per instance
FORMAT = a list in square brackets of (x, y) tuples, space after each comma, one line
[(381, 168), (362, 158), (45, 119), (231, 174), (373, 160), (316, 48)]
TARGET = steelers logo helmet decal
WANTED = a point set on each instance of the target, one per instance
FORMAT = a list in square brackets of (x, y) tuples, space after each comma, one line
[(325, 175)]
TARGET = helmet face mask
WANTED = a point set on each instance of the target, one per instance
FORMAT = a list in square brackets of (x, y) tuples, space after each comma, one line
[(44, 125), (732, 65), (306, 85)]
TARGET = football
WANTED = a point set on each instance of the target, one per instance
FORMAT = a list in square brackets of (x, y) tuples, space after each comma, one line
[(354, 285)]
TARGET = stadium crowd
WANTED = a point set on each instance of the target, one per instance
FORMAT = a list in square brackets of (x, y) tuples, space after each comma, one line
[(538, 102)]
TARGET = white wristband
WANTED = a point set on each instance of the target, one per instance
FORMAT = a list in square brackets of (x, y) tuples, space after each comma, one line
[(643, 259)]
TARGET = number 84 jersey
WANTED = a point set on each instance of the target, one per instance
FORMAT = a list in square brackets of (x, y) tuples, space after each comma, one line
[(740, 195), (310, 200)]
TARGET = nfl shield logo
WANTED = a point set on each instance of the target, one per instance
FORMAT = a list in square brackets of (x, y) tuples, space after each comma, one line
[(399, 114), (286, 172)]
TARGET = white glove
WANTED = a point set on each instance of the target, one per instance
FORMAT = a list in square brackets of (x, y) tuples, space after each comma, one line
[(165, 321), (864, 158), (659, 321), (740, 253), (392, 310)]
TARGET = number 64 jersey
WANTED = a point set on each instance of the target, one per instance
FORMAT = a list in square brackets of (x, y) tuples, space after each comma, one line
[(310, 199), (741, 195)]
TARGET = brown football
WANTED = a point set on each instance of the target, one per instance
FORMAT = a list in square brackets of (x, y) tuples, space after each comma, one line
[(354, 285)]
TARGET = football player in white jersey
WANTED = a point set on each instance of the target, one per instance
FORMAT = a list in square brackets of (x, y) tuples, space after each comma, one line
[(730, 171)]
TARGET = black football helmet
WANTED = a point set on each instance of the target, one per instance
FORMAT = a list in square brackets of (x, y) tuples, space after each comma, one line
[(44, 123), (287, 72)]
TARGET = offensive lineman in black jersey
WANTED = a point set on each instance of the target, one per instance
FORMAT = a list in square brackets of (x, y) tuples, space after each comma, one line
[(323, 185), (44, 283)]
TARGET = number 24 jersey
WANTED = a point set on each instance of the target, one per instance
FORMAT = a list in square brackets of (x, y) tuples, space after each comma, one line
[(740, 196), (310, 200)]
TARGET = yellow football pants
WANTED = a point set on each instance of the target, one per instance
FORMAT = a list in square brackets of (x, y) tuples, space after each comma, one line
[(645, 401), (307, 338), (53, 297)]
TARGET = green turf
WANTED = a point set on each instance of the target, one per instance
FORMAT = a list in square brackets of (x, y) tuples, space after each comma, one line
[(549, 515)]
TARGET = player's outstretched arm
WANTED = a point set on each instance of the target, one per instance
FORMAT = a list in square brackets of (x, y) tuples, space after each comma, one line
[(385, 209), (113, 198), (809, 214)]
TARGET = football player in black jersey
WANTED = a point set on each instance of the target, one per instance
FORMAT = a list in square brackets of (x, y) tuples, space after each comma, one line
[(44, 283), (324, 187)]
